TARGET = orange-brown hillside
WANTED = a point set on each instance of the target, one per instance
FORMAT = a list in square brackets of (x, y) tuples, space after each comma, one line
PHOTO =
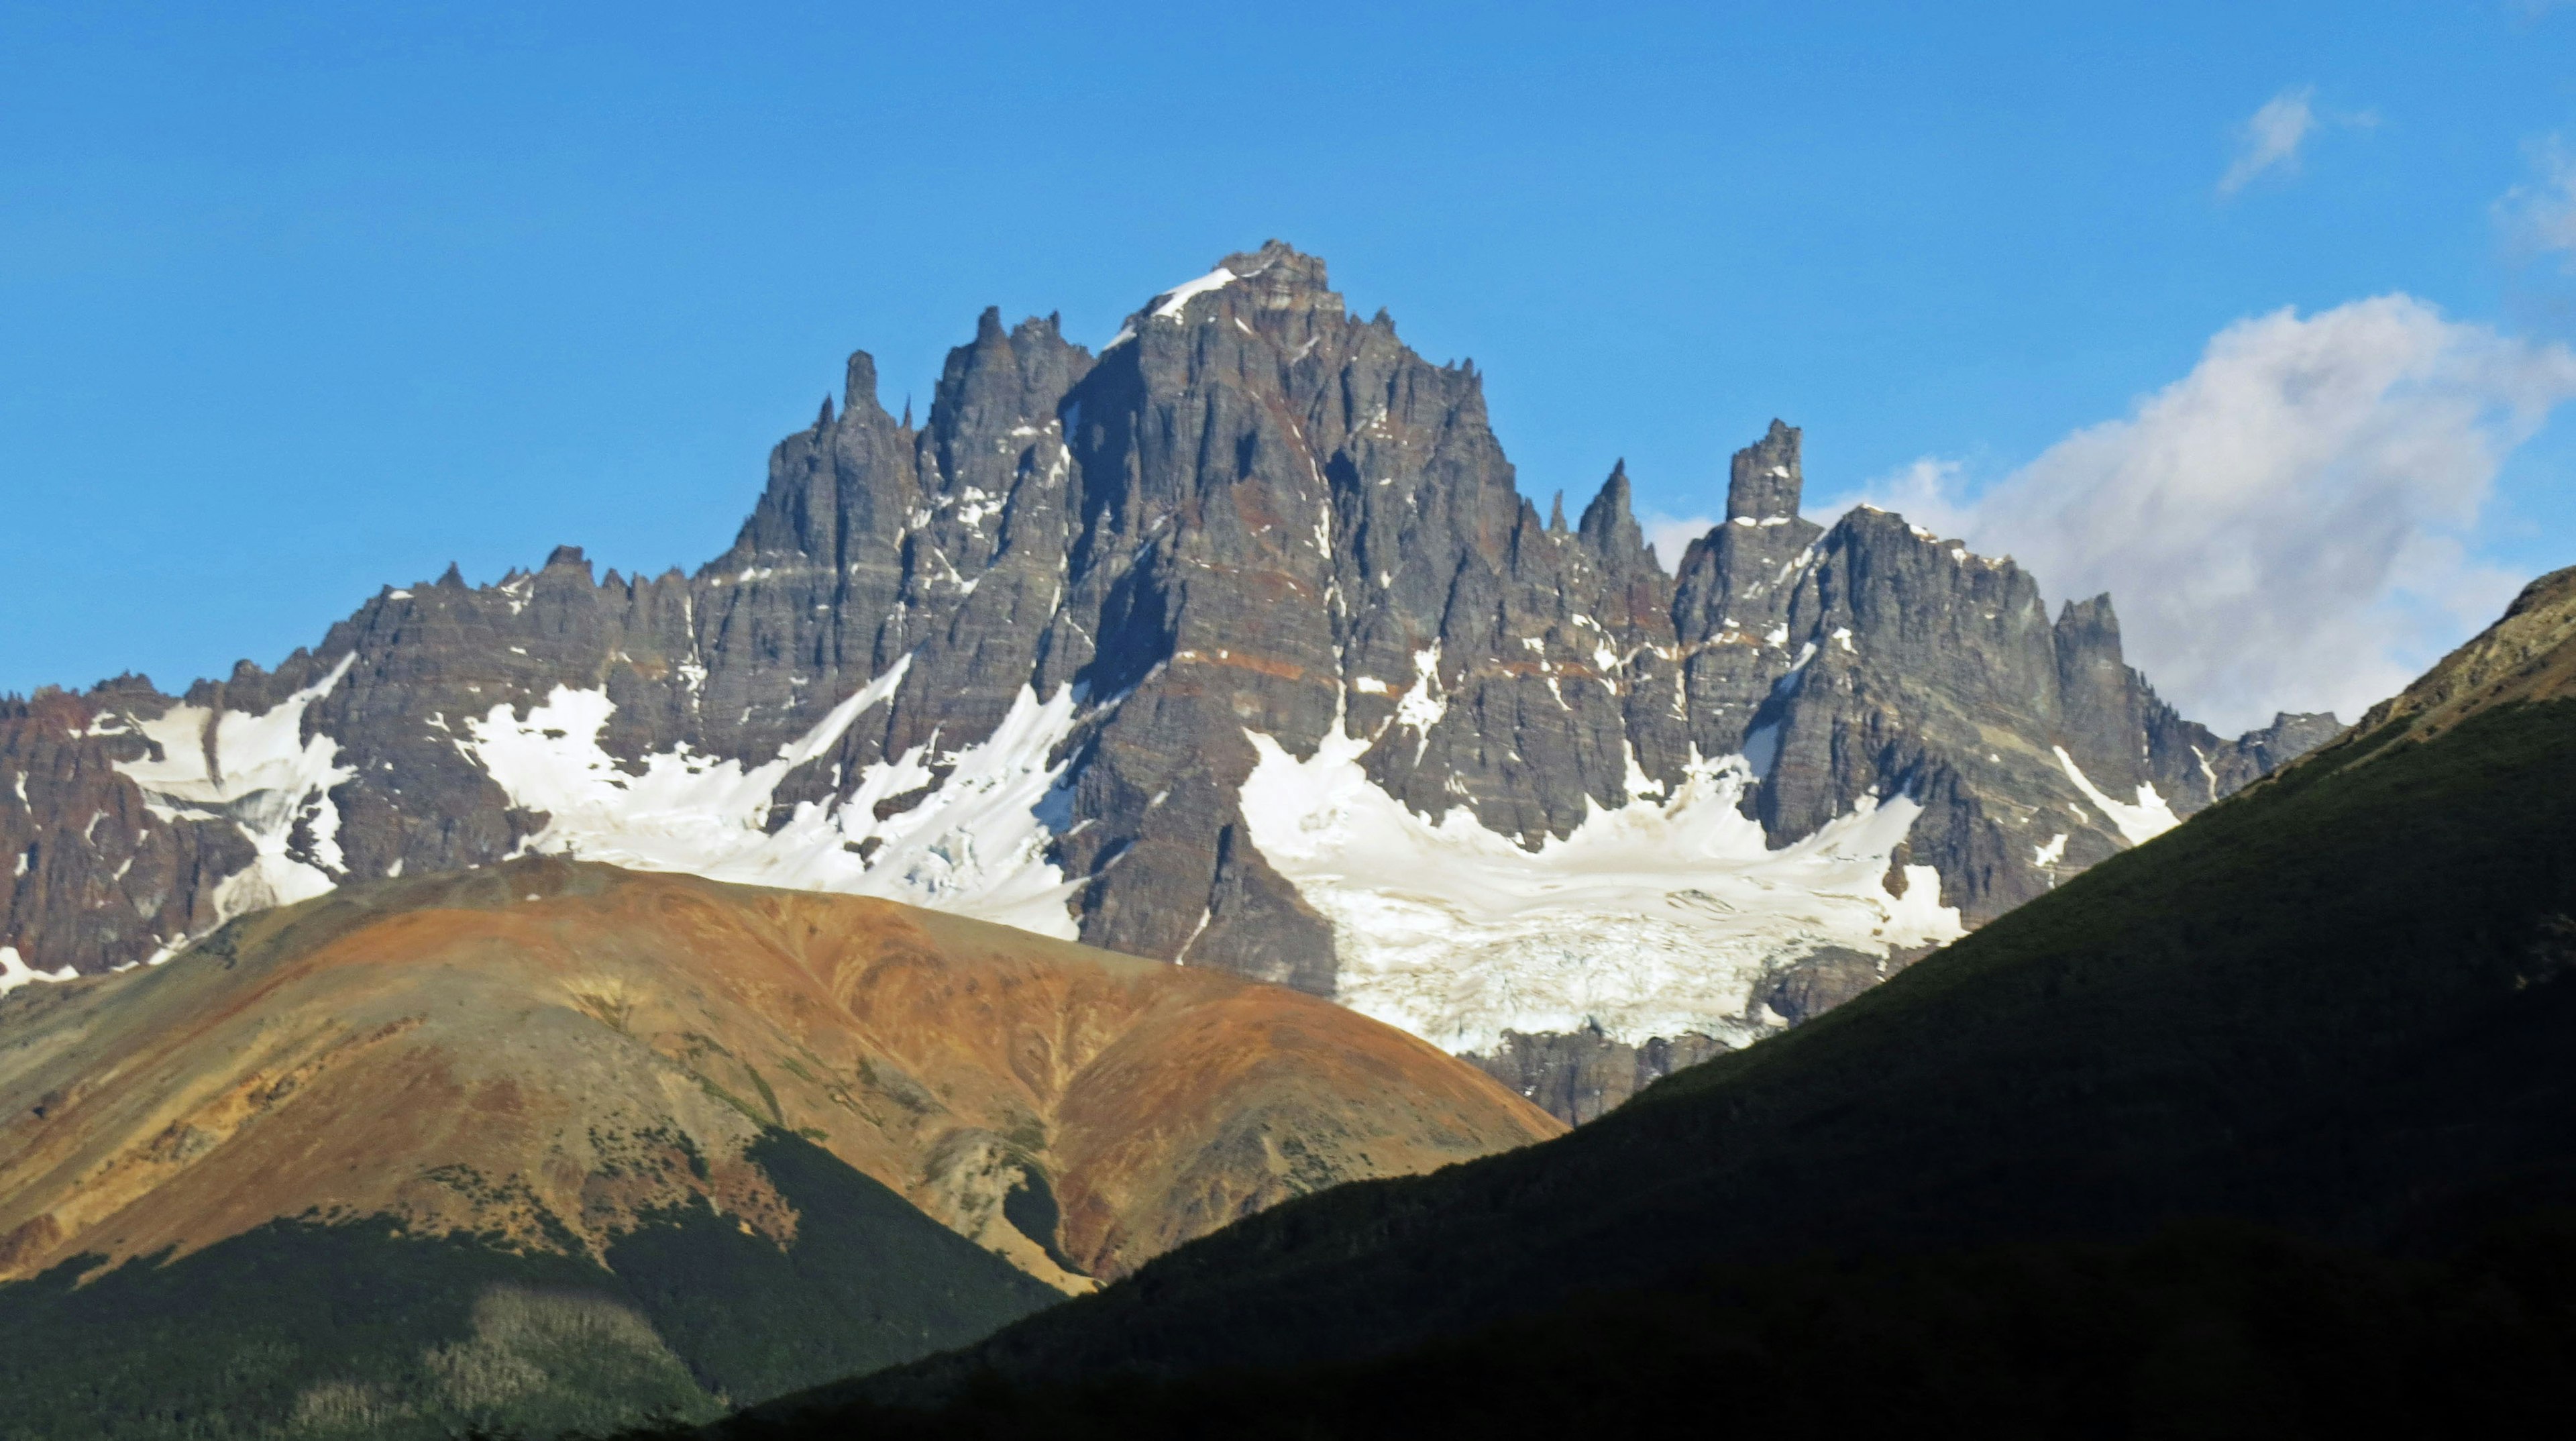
[(552, 1049)]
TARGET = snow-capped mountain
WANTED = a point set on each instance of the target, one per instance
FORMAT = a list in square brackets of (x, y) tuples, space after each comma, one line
[(1236, 644)]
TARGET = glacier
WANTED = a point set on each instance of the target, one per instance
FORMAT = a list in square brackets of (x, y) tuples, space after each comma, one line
[(1649, 920)]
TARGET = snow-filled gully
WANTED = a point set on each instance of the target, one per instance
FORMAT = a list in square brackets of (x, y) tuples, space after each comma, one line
[(975, 844)]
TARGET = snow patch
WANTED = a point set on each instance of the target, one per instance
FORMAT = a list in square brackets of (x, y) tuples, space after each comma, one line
[(1172, 302), (261, 775), (1647, 921), (975, 844), (2137, 824), (2050, 854), (15, 972), (1424, 703)]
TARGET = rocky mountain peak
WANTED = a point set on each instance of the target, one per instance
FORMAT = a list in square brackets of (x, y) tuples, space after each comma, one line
[(1283, 278), (1609, 525), (859, 388), (1237, 643), (1764, 482)]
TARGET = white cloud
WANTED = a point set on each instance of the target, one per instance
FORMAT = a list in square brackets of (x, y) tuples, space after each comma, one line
[(1929, 492), (2541, 213), (2272, 138), (2287, 526), (1670, 535)]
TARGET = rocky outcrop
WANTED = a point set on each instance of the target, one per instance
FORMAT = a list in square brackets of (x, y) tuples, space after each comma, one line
[(2528, 655), (1121, 646), (1583, 1075)]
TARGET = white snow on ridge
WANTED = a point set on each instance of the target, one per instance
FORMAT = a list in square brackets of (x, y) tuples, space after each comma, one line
[(1171, 303), (1178, 298), (2138, 824), (15, 972), (262, 775), (1647, 921), (975, 845)]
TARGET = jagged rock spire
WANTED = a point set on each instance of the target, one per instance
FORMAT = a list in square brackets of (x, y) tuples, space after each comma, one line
[(1608, 524), (859, 388), (1765, 480)]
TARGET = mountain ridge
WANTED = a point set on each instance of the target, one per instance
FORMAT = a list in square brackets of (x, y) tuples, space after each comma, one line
[(1020, 661)]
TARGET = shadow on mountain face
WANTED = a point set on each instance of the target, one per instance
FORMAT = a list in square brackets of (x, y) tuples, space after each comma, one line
[(2209, 1329), (361, 1329)]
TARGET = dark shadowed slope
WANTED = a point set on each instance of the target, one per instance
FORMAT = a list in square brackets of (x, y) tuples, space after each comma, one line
[(2338, 1004)]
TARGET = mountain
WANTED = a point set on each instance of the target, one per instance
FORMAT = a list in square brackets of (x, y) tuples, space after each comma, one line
[(1234, 643), (2335, 1009), (550, 1143)]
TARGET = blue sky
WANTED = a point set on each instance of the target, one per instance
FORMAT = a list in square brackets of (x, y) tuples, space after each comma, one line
[(300, 300)]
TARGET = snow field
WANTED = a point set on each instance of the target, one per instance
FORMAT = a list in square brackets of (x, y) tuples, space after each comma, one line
[(1649, 920), (2137, 824), (975, 845), (259, 773)]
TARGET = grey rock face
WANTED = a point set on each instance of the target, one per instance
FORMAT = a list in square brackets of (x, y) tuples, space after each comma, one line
[(1582, 1075), (1807, 988), (1253, 514)]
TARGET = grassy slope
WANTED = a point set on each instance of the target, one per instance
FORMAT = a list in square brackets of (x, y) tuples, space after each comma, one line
[(2333, 1004), (353, 1330)]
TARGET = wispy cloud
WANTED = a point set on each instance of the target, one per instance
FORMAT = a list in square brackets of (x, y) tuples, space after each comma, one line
[(2541, 213), (2272, 139), (2287, 526)]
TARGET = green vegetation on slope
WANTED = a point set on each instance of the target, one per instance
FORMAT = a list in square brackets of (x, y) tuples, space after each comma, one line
[(2336, 1004), (870, 1282), (358, 1330), (351, 1330)]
